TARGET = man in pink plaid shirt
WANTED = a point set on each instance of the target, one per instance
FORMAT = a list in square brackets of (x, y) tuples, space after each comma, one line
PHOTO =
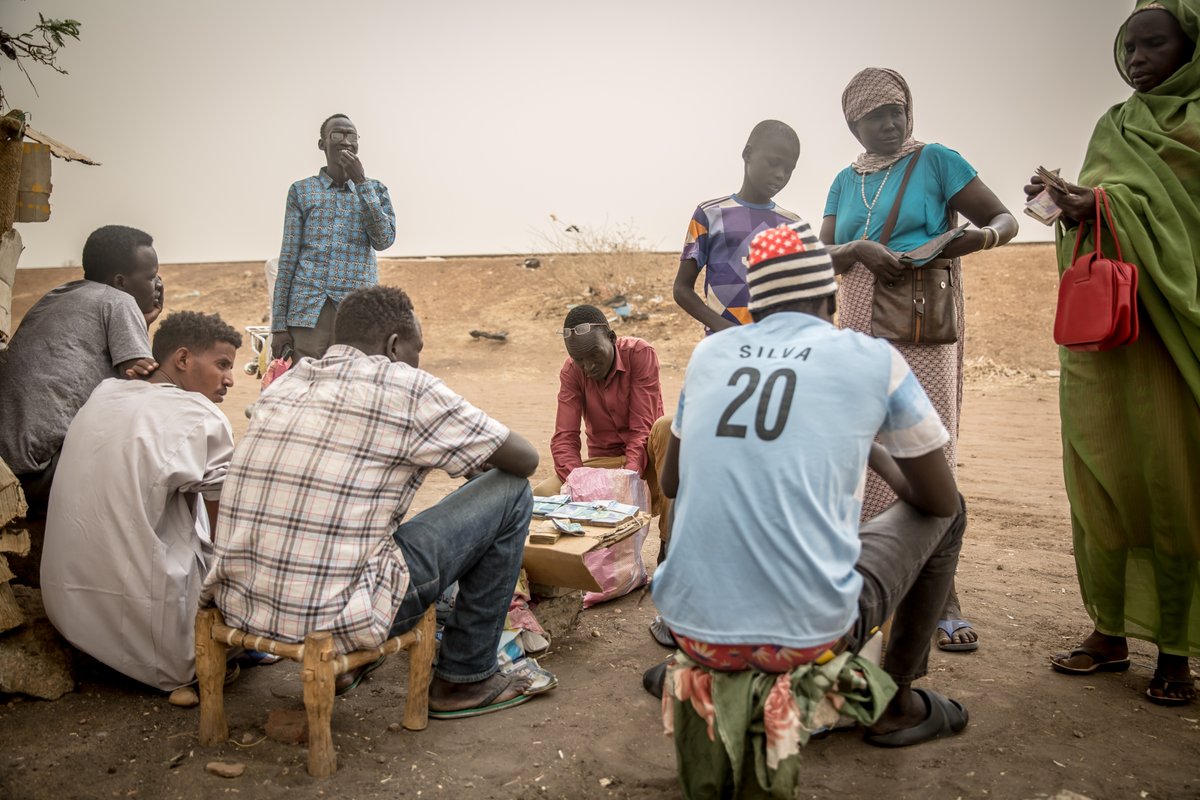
[(312, 534)]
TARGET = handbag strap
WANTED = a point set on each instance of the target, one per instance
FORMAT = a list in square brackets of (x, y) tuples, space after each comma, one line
[(890, 223), (1103, 212), (1112, 229)]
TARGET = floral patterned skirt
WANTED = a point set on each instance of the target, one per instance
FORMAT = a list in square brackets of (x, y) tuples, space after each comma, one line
[(762, 657)]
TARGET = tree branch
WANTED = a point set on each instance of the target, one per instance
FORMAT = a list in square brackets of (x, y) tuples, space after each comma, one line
[(26, 47)]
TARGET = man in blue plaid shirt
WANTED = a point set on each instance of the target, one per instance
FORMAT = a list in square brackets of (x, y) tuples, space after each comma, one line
[(334, 223)]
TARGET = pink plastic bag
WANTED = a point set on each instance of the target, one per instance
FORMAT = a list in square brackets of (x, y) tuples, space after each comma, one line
[(276, 368), (619, 568)]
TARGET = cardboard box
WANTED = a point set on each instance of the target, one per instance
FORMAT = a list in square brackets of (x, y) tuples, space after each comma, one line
[(561, 563)]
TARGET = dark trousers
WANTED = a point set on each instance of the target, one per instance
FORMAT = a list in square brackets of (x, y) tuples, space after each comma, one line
[(313, 342), (36, 487), (907, 562)]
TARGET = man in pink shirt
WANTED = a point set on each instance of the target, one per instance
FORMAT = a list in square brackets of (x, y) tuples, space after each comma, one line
[(609, 383)]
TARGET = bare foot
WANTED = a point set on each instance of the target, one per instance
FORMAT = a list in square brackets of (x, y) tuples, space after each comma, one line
[(906, 710), (447, 696)]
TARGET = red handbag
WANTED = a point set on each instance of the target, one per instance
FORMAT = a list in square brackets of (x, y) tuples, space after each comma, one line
[(1097, 297)]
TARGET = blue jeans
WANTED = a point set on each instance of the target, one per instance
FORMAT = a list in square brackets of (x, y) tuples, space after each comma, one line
[(907, 562), (476, 536)]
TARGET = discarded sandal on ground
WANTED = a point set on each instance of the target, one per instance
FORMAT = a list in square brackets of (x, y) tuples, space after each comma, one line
[(661, 633), (946, 717), (950, 627), (488, 706), (1171, 692), (1100, 663), (349, 681)]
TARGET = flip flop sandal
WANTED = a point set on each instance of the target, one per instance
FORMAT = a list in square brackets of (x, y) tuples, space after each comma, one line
[(951, 627), (364, 672), (1166, 685), (1099, 662), (486, 707), (946, 717), (661, 633)]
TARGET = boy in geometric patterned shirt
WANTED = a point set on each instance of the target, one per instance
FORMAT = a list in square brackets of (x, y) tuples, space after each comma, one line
[(719, 234)]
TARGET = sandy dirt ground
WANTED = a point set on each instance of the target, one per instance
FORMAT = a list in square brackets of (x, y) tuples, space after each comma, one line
[(1033, 733)]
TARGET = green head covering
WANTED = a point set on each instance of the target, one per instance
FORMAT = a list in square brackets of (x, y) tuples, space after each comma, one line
[(1187, 12)]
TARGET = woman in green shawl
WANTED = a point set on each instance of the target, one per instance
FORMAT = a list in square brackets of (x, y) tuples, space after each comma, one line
[(1131, 416)]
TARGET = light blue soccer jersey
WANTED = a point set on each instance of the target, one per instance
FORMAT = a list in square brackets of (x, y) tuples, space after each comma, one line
[(775, 422)]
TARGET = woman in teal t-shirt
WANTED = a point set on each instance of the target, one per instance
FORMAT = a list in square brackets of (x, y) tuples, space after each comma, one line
[(878, 108)]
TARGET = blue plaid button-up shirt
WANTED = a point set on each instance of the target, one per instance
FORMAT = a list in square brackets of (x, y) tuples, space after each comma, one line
[(330, 236)]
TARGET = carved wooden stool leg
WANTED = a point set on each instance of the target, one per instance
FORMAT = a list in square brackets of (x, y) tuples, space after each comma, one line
[(210, 669), (318, 676), (420, 672)]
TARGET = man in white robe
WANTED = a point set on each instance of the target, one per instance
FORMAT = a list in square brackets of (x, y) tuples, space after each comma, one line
[(127, 534)]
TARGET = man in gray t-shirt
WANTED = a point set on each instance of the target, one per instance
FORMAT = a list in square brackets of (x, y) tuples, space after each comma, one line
[(73, 338)]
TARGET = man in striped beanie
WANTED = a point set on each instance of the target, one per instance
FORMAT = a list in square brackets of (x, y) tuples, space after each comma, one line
[(788, 269), (769, 569)]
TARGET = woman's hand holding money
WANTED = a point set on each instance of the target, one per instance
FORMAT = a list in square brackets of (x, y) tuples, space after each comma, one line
[(1077, 202)]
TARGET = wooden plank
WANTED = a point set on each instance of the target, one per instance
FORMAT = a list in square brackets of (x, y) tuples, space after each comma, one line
[(33, 192), (65, 152)]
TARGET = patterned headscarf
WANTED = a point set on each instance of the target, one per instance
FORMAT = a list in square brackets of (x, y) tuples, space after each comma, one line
[(867, 91)]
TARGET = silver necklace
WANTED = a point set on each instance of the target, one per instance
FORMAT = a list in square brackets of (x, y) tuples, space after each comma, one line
[(862, 189)]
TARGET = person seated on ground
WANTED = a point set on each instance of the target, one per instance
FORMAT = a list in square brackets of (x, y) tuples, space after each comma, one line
[(70, 340), (313, 535), (611, 384), (768, 454), (127, 537)]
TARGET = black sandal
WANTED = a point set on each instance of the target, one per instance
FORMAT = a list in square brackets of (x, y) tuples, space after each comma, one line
[(1167, 687)]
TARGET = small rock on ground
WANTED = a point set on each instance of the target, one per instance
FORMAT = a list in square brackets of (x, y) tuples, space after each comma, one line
[(225, 769)]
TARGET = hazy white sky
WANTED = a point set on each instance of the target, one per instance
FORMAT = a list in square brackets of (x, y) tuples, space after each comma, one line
[(483, 118)]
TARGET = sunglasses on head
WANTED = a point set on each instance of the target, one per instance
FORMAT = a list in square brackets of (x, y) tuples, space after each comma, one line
[(582, 329)]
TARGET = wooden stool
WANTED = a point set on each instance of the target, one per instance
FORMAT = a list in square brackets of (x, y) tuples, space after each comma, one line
[(321, 666)]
